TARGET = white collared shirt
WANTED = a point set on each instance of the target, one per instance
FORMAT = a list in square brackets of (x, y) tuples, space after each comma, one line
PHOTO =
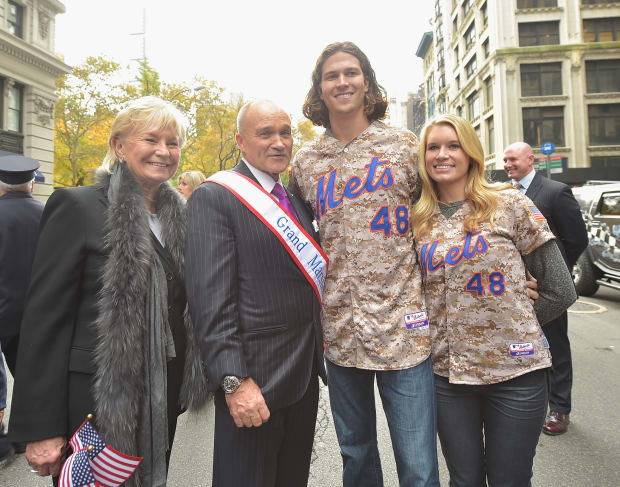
[(526, 181), (265, 179)]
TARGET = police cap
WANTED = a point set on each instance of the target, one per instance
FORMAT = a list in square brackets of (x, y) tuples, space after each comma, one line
[(16, 169)]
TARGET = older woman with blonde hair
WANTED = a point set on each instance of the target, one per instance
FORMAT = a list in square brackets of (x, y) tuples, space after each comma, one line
[(106, 330), (189, 181), (475, 241)]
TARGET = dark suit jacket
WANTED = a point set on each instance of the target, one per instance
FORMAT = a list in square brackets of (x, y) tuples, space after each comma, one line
[(556, 202), (20, 215), (254, 312)]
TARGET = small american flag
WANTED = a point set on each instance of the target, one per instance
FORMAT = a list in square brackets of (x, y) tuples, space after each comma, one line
[(109, 467), (76, 471), (537, 216)]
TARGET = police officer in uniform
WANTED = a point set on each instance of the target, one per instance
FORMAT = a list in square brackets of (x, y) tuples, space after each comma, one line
[(20, 214)]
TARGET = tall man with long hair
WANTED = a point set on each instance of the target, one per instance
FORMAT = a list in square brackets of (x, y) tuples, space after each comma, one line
[(360, 178)]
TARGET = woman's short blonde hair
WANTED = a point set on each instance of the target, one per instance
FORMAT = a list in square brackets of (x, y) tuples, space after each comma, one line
[(143, 114), (481, 194), (192, 178)]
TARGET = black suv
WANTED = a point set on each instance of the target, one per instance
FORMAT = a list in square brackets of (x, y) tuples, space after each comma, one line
[(599, 265)]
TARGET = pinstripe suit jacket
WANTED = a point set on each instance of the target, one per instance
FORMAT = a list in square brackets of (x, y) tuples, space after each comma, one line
[(556, 201), (254, 312)]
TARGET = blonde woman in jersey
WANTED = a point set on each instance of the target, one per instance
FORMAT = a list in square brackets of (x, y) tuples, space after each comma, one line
[(475, 241)]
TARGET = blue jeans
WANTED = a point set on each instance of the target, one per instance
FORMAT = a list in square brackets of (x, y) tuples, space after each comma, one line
[(490, 432), (408, 398)]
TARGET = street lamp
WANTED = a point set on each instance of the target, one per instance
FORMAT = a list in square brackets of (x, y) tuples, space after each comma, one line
[(195, 89)]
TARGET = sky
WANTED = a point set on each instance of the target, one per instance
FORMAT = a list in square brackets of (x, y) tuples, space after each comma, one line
[(262, 49)]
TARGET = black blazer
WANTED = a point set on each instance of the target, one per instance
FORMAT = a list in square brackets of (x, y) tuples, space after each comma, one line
[(254, 312), (57, 337), (556, 202), (20, 215), (53, 389)]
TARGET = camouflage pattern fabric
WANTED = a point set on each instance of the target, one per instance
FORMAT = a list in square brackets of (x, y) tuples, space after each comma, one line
[(483, 327), (373, 313)]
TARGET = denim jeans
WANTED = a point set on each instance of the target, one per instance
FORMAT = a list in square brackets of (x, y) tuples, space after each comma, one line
[(409, 404), (490, 432)]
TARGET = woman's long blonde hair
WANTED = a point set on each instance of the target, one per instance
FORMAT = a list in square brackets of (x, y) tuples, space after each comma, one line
[(481, 194)]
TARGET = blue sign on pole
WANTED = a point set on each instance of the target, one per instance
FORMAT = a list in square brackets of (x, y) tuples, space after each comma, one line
[(547, 148)]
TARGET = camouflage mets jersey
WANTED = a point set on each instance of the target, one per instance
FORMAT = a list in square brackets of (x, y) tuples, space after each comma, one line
[(373, 306), (483, 327)]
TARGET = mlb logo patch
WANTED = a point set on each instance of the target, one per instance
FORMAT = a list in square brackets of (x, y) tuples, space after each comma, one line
[(416, 320), (518, 349), (537, 216)]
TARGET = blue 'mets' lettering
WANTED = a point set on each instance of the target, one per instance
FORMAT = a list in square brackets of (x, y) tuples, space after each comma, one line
[(326, 199), (454, 254)]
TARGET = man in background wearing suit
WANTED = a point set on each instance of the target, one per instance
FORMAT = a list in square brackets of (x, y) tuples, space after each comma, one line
[(556, 202), (256, 309), (20, 215)]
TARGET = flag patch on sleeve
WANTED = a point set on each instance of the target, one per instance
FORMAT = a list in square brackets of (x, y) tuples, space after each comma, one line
[(537, 216)]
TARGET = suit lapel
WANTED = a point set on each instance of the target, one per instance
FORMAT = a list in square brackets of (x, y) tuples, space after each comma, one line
[(534, 187), (302, 213)]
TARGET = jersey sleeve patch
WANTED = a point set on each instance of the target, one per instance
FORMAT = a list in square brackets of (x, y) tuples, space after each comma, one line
[(535, 213)]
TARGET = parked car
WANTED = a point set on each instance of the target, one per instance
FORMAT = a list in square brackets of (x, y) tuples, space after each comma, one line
[(599, 265)]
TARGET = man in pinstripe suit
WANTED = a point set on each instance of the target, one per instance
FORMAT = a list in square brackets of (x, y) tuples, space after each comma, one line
[(556, 202), (256, 316)]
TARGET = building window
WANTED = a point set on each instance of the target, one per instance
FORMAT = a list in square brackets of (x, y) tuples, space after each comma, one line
[(459, 111), (541, 79), (470, 67), (456, 54), (605, 162), (14, 108), (15, 19), (442, 81), (485, 14), (470, 35), (543, 124), (603, 76), (539, 33), (473, 106), (491, 135), (440, 60), (430, 84), (601, 30), (485, 48), (604, 124), (455, 24), (488, 92), (536, 3), (466, 7), (457, 80)]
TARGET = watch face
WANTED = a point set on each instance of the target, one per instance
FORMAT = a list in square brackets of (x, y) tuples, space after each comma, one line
[(230, 384)]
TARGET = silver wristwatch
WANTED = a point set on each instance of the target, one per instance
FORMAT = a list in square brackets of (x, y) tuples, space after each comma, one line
[(230, 383)]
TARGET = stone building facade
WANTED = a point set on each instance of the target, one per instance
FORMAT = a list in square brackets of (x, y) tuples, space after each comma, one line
[(533, 70), (28, 69)]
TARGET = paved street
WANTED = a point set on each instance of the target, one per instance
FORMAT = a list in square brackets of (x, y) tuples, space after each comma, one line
[(587, 456)]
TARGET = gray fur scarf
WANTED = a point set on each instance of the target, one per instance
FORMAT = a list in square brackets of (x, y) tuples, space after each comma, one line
[(121, 324)]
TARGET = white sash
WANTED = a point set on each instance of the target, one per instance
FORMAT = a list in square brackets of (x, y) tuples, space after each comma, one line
[(306, 253)]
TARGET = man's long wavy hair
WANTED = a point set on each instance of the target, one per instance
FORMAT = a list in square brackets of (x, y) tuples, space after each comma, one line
[(481, 194), (375, 100)]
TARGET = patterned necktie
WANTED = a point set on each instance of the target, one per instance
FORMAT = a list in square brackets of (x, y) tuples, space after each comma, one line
[(278, 192), (518, 185)]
